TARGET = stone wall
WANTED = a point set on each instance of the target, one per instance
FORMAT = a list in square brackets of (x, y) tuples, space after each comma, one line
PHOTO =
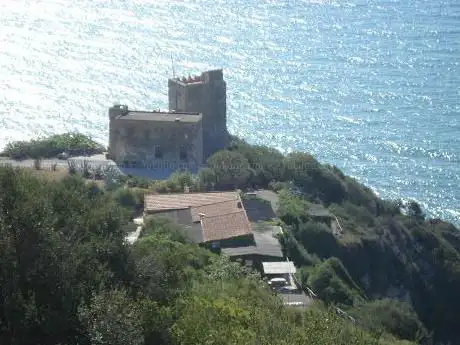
[(154, 144), (205, 94)]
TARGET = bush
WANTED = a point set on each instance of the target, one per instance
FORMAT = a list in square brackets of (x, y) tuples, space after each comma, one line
[(277, 186), (390, 316), (317, 238), (164, 225), (112, 318), (206, 179), (266, 164), (130, 198), (75, 144), (230, 168), (326, 280), (139, 182), (295, 251)]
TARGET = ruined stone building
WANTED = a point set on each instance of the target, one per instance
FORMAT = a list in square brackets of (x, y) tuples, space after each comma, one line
[(194, 127)]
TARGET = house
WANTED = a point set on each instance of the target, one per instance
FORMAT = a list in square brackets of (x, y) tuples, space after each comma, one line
[(218, 221), (215, 220)]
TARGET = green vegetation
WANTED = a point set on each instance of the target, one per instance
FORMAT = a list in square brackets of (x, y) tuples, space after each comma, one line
[(388, 248), (333, 283), (67, 276), (383, 251), (73, 144), (391, 316), (395, 271)]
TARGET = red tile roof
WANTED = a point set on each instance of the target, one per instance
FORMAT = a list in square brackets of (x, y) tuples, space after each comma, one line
[(161, 202), (223, 214), (217, 209), (225, 226)]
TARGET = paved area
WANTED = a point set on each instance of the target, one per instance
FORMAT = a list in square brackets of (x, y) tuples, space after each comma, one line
[(96, 160), (270, 196), (93, 162)]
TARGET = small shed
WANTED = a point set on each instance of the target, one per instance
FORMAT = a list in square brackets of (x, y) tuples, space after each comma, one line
[(278, 269)]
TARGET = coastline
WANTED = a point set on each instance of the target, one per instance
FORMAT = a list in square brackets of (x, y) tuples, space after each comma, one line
[(161, 171)]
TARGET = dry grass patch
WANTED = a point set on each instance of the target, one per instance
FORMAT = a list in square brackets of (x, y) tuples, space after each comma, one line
[(48, 174), (58, 175)]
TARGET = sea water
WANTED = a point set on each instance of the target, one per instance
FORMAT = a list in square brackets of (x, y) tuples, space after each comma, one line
[(372, 86)]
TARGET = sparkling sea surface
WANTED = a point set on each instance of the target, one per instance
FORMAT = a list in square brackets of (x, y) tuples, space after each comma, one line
[(372, 86)]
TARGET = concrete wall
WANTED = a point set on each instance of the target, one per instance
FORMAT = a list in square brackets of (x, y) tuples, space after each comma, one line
[(138, 141), (207, 95)]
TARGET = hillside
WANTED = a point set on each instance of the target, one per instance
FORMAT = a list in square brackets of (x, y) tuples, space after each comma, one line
[(393, 270), (387, 250), (67, 276)]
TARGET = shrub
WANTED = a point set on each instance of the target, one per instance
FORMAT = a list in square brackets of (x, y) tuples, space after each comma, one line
[(74, 144), (266, 164), (231, 169), (206, 179), (391, 316), (328, 283), (112, 318)]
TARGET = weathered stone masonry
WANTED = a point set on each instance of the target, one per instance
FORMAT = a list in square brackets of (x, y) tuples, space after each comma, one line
[(205, 94), (193, 129), (155, 139)]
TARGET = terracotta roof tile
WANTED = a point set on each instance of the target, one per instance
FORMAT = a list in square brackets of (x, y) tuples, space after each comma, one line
[(161, 202), (224, 215), (225, 226), (217, 209)]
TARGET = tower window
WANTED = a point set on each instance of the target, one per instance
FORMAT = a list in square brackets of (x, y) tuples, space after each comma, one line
[(158, 152)]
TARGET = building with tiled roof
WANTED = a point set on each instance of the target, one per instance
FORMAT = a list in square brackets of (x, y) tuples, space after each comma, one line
[(221, 216), (218, 220)]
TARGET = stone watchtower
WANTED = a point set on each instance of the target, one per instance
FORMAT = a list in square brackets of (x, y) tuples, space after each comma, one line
[(205, 94)]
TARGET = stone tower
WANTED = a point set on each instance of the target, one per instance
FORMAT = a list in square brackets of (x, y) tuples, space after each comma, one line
[(205, 94)]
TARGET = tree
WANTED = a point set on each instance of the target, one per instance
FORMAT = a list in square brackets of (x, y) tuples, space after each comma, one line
[(391, 316), (206, 179), (164, 267), (315, 180), (414, 210), (112, 318), (267, 164), (59, 243), (230, 168)]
